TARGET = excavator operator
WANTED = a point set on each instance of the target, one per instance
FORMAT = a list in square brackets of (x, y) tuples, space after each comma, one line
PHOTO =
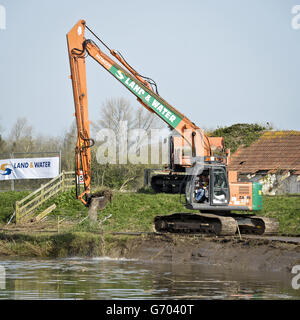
[(202, 190)]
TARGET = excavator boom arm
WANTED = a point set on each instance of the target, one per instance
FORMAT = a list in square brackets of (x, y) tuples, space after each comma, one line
[(82, 151), (78, 46)]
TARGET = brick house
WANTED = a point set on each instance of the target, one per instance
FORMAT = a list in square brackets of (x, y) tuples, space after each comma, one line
[(273, 160)]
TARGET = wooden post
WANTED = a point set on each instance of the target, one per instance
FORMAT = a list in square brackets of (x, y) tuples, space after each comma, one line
[(17, 211), (12, 181), (63, 181)]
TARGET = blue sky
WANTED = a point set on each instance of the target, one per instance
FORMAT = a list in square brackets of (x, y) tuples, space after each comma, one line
[(219, 62)]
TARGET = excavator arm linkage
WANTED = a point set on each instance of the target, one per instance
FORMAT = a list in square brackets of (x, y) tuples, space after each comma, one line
[(78, 47)]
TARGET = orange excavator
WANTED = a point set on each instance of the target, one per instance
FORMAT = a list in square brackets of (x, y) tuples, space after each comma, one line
[(209, 188)]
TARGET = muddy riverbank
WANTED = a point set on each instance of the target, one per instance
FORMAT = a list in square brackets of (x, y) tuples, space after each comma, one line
[(230, 253)]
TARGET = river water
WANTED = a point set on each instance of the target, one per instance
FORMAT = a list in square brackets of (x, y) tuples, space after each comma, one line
[(104, 278)]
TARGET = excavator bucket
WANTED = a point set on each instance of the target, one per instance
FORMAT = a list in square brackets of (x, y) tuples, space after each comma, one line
[(98, 202)]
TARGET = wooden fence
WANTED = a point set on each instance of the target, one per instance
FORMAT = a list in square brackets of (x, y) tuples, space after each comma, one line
[(27, 207)]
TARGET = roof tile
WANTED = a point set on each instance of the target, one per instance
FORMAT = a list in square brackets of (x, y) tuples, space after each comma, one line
[(274, 150)]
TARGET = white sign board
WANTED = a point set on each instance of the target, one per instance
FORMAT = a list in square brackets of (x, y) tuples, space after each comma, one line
[(29, 168)]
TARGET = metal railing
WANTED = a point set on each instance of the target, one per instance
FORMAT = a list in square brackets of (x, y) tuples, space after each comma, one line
[(28, 206)]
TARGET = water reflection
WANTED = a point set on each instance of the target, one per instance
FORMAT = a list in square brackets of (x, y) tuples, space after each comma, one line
[(104, 278)]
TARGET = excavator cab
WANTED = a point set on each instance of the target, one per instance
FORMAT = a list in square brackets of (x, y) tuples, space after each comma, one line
[(219, 187), (212, 178)]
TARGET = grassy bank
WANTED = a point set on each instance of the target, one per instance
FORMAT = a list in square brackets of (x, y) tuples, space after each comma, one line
[(127, 212), (135, 211), (286, 209), (62, 244)]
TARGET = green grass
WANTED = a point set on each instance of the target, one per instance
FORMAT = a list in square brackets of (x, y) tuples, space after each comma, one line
[(66, 205), (135, 211), (7, 203), (286, 209)]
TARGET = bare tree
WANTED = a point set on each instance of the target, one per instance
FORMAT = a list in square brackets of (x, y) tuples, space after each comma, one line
[(2, 141), (43, 143), (2, 144), (68, 147), (21, 136), (114, 111)]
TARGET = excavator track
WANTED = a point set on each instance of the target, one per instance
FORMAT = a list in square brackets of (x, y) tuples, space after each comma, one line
[(195, 223), (257, 225), (221, 225)]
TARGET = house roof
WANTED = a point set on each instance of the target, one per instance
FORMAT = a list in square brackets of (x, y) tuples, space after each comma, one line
[(273, 151)]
